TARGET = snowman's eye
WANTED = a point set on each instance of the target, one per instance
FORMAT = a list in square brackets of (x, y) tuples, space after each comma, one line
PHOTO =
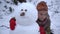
[(25, 10), (21, 9)]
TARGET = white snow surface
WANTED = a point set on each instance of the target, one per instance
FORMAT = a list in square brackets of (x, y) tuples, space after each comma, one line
[(55, 19), (30, 16), (26, 24)]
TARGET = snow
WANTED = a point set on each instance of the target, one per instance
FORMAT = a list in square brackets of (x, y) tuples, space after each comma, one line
[(55, 23), (55, 17), (28, 14), (26, 24), (25, 29), (5, 16)]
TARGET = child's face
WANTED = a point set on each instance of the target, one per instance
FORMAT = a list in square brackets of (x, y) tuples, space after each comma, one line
[(42, 15)]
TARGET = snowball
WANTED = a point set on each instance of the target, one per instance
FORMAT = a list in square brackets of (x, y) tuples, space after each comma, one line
[(30, 16)]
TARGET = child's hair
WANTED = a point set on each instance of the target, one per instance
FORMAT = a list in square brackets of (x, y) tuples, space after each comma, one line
[(42, 6)]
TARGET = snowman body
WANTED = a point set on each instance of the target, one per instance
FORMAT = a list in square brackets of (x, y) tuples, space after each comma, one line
[(32, 29), (26, 16)]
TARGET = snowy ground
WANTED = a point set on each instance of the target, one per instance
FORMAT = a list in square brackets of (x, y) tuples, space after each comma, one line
[(55, 21)]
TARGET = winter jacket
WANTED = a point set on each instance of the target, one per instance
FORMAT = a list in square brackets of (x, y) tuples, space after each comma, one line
[(44, 25)]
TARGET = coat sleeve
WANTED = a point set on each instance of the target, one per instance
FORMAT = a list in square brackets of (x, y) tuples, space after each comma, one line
[(12, 23)]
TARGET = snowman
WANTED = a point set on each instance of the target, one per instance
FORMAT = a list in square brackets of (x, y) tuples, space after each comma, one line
[(24, 21)]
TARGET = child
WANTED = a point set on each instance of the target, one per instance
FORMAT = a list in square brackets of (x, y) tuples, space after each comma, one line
[(43, 18)]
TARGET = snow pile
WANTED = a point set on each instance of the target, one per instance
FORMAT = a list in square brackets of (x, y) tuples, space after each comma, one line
[(6, 9), (26, 16), (29, 14)]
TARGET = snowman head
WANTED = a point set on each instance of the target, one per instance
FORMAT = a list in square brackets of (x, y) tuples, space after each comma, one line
[(26, 14)]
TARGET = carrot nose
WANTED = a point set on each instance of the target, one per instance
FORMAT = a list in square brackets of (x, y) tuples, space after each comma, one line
[(22, 14)]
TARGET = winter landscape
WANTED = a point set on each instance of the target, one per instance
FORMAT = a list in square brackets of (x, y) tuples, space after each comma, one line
[(7, 8)]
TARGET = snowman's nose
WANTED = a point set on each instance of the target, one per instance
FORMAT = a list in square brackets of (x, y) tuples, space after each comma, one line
[(22, 14)]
